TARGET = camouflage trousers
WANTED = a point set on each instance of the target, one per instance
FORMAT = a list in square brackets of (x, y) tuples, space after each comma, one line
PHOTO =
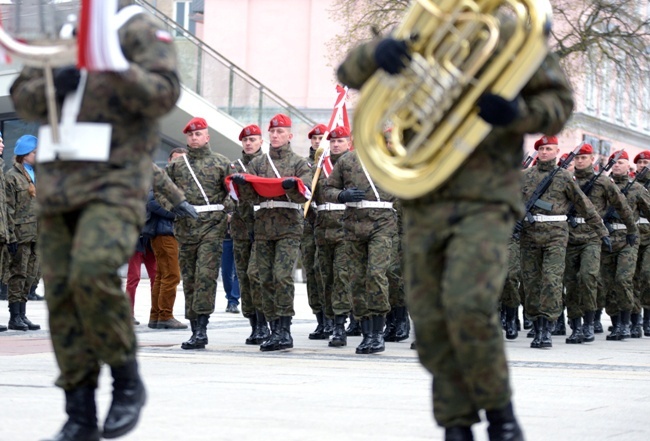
[(333, 272), (315, 295), (275, 261), (200, 263), (367, 263), (642, 279), (23, 272), (455, 267), (396, 291), (249, 283), (616, 286), (513, 289), (6, 262), (89, 314), (581, 274)]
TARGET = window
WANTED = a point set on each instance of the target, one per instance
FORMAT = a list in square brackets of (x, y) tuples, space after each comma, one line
[(182, 11), (604, 90)]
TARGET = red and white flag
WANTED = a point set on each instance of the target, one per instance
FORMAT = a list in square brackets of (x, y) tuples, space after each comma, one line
[(339, 118), (265, 187), (4, 55), (98, 40)]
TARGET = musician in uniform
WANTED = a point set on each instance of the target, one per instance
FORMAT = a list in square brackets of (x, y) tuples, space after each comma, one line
[(456, 242), (642, 274)]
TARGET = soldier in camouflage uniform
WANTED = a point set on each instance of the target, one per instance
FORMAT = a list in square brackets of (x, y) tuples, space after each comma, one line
[(330, 244), (544, 241), (370, 224), (20, 192), (4, 233), (642, 274), (511, 296), (90, 216), (278, 228), (582, 267), (241, 230), (617, 267), (200, 175), (456, 241)]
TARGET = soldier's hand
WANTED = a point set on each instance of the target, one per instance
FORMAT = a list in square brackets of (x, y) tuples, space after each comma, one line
[(66, 80), (185, 209), (289, 183), (630, 239), (238, 179), (496, 110), (351, 195), (13, 248), (392, 55), (607, 242)]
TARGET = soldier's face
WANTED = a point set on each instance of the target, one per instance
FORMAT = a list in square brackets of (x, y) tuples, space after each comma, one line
[(339, 145), (622, 167), (640, 164), (547, 152), (197, 138), (280, 136), (583, 161), (315, 141), (30, 158), (251, 144)]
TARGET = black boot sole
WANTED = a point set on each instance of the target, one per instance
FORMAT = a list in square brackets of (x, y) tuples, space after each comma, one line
[(337, 344), (192, 346), (321, 336), (17, 328), (512, 336)]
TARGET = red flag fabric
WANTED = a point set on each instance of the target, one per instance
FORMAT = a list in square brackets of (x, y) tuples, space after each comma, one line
[(265, 187), (339, 118)]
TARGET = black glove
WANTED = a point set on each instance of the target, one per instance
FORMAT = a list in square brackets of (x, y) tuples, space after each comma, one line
[(351, 195), (66, 80), (392, 55), (496, 110), (630, 239), (13, 248), (607, 242), (185, 209), (238, 179), (289, 183)]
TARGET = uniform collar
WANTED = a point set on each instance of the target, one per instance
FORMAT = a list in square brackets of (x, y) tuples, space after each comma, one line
[(199, 152), (584, 173), (545, 166)]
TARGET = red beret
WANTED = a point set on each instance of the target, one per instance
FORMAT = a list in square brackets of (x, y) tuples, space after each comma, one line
[(562, 158), (545, 140), (320, 129), (623, 156), (280, 120), (195, 124), (339, 132), (586, 149), (251, 130), (643, 155)]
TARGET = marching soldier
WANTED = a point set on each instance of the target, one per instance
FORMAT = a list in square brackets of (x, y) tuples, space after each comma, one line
[(642, 274)]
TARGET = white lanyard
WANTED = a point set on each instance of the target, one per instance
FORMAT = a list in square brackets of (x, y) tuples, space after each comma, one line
[(207, 202), (242, 165), (275, 170), (372, 184)]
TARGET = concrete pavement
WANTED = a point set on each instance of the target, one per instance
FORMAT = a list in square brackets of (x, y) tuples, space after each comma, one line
[(230, 391)]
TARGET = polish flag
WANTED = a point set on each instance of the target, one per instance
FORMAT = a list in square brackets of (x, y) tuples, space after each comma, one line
[(339, 118), (265, 187), (98, 40)]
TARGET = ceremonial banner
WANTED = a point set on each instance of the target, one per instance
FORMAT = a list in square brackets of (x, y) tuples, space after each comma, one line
[(265, 187), (98, 40)]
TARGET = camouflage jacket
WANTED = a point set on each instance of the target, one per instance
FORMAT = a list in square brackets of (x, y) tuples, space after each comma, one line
[(638, 200), (329, 224), (603, 194), (359, 223), (163, 186), (644, 229), (243, 216), (278, 223), (132, 102), (4, 230), (491, 174), (21, 207), (210, 169), (310, 219)]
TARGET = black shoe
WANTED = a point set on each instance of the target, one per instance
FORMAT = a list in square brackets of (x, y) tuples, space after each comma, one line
[(576, 336), (458, 433), (402, 328), (280, 336), (615, 334), (232, 308), (354, 329), (328, 325), (503, 425), (253, 322), (636, 330), (34, 297), (377, 341), (15, 320), (339, 338), (560, 326), (646, 322), (129, 396), (588, 327), (546, 341), (366, 329), (31, 326), (82, 416), (502, 316), (391, 326), (271, 343), (531, 333), (511, 323), (598, 326), (191, 343), (319, 332), (202, 321), (262, 333), (625, 324), (537, 334), (527, 323)]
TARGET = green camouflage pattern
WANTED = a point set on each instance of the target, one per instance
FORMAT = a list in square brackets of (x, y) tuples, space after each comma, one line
[(275, 261), (642, 274), (4, 230), (249, 284), (512, 294), (22, 208), (243, 215), (163, 186)]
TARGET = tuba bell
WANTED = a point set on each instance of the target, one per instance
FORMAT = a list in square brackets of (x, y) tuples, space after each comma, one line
[(431, 105)]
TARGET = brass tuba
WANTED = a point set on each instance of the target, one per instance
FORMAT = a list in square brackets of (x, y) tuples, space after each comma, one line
[(431, 105)]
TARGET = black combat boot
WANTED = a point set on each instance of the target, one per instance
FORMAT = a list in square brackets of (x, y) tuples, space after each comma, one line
[(560, 326), (82, 416), (527, 323), (576, 336), (272, 342), (511, 323), (616, 330), (354, 328), (319, 332), (537, 334), (15, 320), (377, 342), (636, 330), (32, 294), (391, 326), (598, 326), (625, 324), (202, 321), (263, 333), (502, 316), (339, 338), (328, 325), (3, 291), (253, 322), (31, 326), (366, 329), (285, 341), (191, 343), (129, 397), (503, 425), (546, 341), (646, 322), (402, 331), (588, 327), (458, 433)]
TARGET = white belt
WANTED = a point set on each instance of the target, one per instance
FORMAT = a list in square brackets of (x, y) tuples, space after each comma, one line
[(280, 204), (643, 220), (579, 220), (542, 218), (369, 204), (618, 227), (330, 207), (256, 207), (205, 208)]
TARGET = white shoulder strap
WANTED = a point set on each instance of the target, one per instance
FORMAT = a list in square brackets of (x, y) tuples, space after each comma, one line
[(242, 164), (207, 202), (275, 170), (372, 184), (126, 14)]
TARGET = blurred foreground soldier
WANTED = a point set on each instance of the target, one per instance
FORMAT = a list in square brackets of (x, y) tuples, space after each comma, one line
[(456, 247), (4, 233), (642, 274), (91, 214)]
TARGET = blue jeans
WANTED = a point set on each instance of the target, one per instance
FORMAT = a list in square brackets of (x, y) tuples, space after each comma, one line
[(230, 280)]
